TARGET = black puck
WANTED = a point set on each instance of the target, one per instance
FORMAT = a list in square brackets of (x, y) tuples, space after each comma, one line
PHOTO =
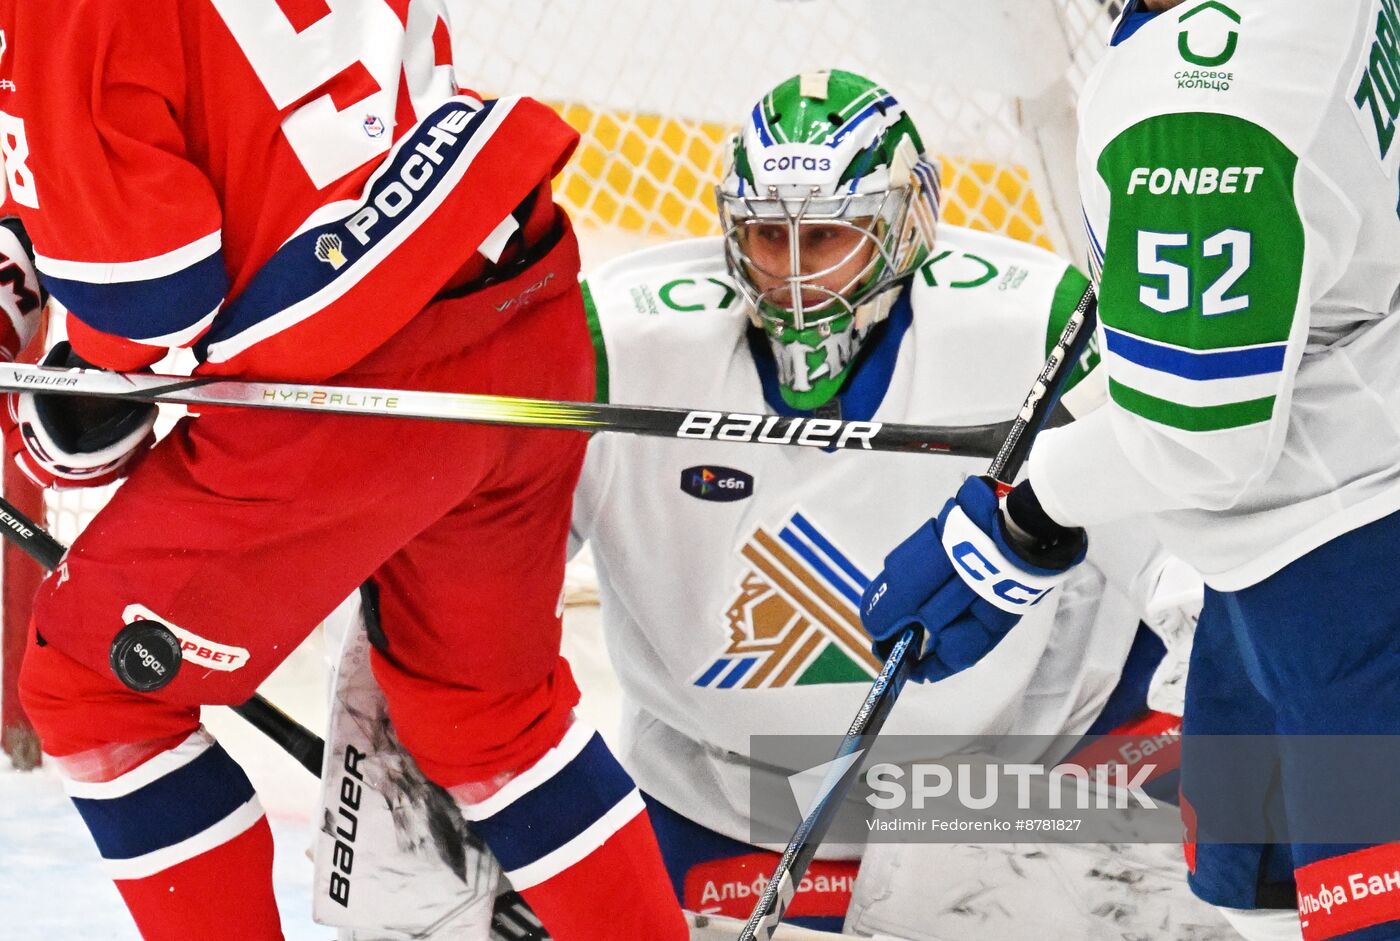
[(145, 655)]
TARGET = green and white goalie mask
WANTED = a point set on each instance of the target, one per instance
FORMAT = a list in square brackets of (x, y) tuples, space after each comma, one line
[(829, 205)]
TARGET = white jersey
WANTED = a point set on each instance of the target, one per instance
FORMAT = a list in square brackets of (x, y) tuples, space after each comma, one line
[(1239, 166), (730, 574)]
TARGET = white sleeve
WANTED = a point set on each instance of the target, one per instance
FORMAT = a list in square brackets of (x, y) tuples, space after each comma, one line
[(1201, 361), (592, 490)]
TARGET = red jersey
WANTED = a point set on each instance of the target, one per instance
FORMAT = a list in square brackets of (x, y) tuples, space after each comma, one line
[(280, 184)]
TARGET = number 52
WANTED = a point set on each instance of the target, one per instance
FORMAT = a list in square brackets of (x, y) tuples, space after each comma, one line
[(1176, 293)]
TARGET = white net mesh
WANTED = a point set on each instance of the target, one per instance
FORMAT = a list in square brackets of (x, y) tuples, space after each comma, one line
[(68, 511), (656, 91)]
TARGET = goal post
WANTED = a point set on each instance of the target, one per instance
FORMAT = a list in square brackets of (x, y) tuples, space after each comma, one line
[(19, 582)]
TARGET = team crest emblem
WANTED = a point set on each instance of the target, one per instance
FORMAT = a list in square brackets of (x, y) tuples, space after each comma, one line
[(794, 620), (373, 126), (329, 249)]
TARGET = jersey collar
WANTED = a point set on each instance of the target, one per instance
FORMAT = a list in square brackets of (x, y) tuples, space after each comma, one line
[(1133, 19)]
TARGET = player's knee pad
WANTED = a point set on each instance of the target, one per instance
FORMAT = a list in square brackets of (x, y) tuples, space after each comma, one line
[(75, 709), (1264, 924), (184, 658)]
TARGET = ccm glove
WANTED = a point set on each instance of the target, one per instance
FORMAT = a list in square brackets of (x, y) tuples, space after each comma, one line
[(965, 579), (76, 441)]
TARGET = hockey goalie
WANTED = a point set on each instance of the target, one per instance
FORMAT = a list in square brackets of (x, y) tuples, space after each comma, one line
[(730, 574)]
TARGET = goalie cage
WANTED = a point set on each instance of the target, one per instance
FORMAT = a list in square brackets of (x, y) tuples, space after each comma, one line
[(654, 90)]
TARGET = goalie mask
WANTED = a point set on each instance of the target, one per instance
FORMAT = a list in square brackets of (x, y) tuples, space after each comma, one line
[(828, 207)]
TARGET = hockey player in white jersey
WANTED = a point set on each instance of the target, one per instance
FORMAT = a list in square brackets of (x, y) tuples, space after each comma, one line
[(1239, 174), (730, 574)]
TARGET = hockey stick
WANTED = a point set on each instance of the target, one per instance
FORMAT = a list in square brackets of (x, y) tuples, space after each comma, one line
[(846, 766), (291, 736), (968, 440)]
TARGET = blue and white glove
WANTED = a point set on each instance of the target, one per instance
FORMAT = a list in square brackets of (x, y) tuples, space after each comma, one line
[(965, 580)]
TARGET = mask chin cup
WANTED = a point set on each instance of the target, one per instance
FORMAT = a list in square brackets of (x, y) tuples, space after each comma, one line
[(806, 387), (867, 314)]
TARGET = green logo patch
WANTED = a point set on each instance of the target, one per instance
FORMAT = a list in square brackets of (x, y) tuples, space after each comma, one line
[(1209, 26)]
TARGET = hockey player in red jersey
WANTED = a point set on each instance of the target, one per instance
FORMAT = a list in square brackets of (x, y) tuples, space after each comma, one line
[(297, 189)]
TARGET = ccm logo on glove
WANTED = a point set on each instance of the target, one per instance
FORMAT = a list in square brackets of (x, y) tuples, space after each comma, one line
[(981, 561), (960, 580)]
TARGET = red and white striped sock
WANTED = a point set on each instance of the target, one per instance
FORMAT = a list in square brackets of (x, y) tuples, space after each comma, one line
[(183, 836)]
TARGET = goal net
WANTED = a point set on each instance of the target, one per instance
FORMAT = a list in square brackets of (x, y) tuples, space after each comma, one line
[(656, 88)]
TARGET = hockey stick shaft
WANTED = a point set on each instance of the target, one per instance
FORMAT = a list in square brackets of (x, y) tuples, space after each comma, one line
[(291, 736), (870, 719), (696, 424)]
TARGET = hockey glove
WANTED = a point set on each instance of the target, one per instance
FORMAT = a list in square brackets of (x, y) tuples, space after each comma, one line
[(962, 580), (21, 294), (1172, 611), (76, 441)]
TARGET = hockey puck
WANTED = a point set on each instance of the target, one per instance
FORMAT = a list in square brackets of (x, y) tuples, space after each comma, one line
[(145, 656)]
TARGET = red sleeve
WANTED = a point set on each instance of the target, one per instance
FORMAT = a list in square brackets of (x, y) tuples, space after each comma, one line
[(125, 226)]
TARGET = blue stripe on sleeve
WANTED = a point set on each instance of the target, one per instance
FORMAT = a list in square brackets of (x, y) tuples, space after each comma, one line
[(540, 821), (140, 310), (169, 810), (1223, 364)]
